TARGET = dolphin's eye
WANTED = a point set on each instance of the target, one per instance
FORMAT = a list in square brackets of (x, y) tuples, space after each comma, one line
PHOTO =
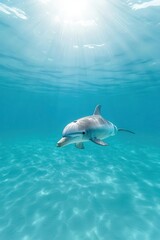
[(83, 132)]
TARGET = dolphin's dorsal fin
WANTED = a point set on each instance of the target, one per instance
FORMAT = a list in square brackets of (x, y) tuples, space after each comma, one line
[(97, 110)]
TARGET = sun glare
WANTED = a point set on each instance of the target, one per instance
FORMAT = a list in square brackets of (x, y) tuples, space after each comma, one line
[(72, 9)]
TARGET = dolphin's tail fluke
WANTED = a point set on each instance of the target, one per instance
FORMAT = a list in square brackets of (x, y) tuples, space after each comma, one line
[(125, 130)]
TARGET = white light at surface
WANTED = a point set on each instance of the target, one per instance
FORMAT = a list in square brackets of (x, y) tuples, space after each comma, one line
[(70, 12), (72, 9)]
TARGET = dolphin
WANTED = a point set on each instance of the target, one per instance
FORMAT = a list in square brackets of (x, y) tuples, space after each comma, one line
[(91, 128)]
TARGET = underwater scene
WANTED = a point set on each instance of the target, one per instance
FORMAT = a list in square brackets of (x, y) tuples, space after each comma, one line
[(79, 120)]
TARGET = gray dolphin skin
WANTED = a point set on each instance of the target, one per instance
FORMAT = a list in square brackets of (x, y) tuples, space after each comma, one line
[(91, 128)]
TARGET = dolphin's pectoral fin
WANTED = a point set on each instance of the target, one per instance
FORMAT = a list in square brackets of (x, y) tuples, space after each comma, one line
[(99, 142), (79, 145)]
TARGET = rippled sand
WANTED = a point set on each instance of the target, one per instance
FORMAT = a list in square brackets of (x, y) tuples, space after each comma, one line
[(68, 194)]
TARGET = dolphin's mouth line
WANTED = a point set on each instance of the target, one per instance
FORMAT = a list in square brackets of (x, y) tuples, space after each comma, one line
[(72, 134), (68, 139)]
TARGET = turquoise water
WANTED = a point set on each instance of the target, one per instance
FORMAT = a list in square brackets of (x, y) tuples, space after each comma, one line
[(57, 62)]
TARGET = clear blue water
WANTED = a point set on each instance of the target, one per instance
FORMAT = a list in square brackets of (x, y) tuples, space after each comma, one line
[(57, 62)]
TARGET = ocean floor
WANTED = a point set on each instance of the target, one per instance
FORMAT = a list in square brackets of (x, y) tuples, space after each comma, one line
[(98, 193)]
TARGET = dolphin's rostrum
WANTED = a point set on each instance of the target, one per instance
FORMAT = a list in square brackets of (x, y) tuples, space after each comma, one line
[(91, 128)]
